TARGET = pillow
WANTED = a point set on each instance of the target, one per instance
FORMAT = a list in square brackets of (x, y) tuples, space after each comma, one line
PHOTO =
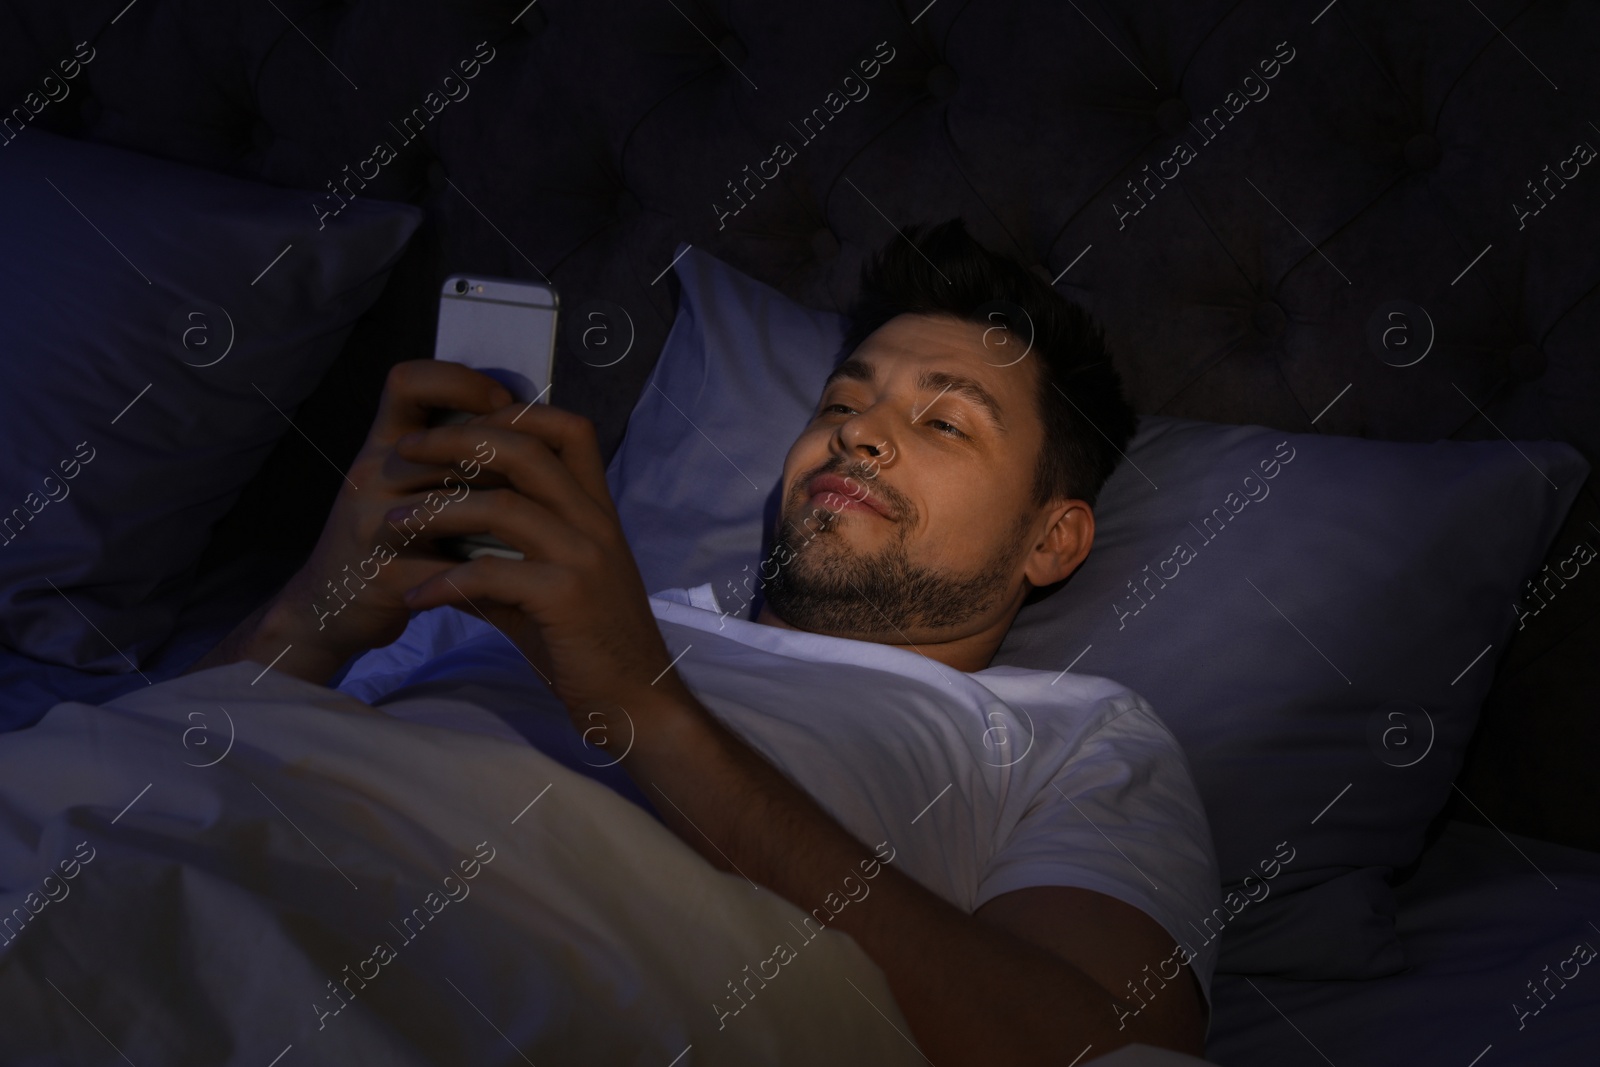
[(161, 325), (695, 479), (1315, 618)]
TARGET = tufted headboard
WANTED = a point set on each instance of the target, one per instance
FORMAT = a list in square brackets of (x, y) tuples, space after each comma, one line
[(1350, 217)]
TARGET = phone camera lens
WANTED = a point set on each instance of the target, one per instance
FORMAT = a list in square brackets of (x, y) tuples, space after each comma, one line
[(461, 285)]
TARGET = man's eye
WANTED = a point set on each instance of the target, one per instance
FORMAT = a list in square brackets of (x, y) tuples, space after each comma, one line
[(830, 407), (948, 431)]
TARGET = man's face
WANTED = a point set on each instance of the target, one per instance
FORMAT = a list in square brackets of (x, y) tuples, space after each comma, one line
[(927, 531)]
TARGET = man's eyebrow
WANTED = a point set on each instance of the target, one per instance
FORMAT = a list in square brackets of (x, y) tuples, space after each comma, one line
[(970, 389), (854, 369)]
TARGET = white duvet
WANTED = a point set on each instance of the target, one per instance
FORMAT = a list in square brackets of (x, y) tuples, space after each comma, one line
[(233, 869)]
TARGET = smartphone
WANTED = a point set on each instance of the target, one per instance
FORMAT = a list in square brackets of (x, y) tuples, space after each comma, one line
[(507, 329)]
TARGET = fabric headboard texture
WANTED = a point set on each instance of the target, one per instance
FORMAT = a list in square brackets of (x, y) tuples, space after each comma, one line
[(1351, 218)]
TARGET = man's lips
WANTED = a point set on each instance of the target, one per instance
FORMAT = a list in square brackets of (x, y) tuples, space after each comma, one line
[(837, 494)]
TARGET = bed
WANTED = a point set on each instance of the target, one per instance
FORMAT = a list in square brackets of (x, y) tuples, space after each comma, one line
[(1375, 245)]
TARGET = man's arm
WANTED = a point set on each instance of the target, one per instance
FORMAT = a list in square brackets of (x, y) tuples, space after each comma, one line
[(347, 596), (1116, 944), (1040, 960), (272, 634)]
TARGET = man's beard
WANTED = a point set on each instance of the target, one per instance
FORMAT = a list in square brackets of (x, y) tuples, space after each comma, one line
[(830, 587)]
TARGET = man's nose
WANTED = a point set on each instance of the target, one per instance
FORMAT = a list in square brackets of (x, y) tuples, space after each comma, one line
[(863, 439)]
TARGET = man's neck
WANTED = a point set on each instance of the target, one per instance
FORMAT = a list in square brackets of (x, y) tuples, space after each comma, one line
[(969, 652)]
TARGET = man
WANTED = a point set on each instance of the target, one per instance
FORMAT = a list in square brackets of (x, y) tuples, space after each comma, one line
[(950, 470)]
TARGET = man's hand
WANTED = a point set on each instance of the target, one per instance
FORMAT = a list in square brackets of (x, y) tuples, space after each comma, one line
[(348, 596), (575, 605)]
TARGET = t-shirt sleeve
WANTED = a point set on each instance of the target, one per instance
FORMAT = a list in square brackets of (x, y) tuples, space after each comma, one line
[(1121, 816)]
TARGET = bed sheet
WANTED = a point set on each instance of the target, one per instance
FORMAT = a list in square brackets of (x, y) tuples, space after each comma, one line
[(1489, 922), (288, 897)]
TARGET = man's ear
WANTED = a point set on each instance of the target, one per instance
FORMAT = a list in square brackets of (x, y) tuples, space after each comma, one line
[(1062, 544)]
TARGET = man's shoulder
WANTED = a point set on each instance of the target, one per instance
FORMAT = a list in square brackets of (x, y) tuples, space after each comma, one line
[(1089, 702)]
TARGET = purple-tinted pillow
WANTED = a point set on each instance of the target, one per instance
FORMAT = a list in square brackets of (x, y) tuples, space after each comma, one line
[(1321, 650), (1317, 620), (160, 325)]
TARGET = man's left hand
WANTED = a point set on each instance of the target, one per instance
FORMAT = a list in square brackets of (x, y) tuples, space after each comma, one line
[(576, 605)]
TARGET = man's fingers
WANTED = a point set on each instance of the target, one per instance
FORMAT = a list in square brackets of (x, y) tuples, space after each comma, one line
[(416, 385), (478, 586), (408, 476), (570, 436), (530, 465), (525, 525)]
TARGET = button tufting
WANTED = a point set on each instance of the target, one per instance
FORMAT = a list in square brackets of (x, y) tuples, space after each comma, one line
[(1268, 319), (626, 202), (1422, 151), (1043, 273), (824, 245), (941, 81), (1526, 361), (1172, 115), (732, 49)]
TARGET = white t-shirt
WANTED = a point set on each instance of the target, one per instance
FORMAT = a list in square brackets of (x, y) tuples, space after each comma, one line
[(983, 782)]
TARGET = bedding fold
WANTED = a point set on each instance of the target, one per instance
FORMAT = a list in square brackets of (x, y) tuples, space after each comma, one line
[(261, 866)]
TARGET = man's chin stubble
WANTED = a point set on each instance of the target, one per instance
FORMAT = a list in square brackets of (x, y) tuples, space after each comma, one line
[(830, 588)]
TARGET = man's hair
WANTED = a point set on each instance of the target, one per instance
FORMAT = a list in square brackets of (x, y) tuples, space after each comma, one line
[(944, 270)]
